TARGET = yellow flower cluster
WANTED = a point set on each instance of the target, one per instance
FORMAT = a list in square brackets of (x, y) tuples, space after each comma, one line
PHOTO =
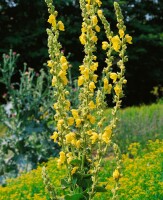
[(142, 177)]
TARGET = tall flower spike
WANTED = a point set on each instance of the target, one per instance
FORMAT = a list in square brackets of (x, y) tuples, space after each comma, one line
[(83, 132)]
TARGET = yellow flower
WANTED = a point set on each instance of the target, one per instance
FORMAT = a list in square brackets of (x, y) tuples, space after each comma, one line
[(97, 28), (105, 45), (116, 174), (95, 76), (74, 113), (69, 157), (94, 137), (77, 144), (107, 86), (69, 137), (94, 66), (78, 122), (63, 59), (54, 80), (80, 80), (82, 39), (62, 75), (50, 63), (91, 105), (91, 118), (124, 81), (59, 124), (81, 68), (54, 136), (117, 90), (70, 121), (107, 134), (121, 33), (113, 76), (94, 20), (128, 38), (94, 38), (61, 26), (99, 12), (55, 106), (116, 43), (62, 157), (67, 106), (74, 170), (98, 2), (86, 73), (92, 86), (52, 20)]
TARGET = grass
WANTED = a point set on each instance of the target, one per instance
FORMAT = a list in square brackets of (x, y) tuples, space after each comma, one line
[(139, 124)]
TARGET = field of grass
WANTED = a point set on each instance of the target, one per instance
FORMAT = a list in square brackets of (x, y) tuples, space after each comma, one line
[(139, 124), (140, 137)]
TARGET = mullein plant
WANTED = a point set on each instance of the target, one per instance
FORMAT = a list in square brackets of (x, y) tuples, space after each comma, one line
[(83, 137)]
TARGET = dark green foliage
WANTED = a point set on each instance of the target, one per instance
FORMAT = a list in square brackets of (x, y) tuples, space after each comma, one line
[(23, 28)]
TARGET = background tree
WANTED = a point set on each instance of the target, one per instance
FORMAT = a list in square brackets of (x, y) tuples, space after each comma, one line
[(23, 28)]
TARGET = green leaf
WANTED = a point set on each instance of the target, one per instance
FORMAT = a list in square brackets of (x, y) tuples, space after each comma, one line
[(75, 162), (65, 183), (78, 196), (100, 189)]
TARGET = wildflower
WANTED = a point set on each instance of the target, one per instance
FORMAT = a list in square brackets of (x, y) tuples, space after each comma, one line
[(116, 174), (98, 2), (95, 76), (69, 157), (59, 124), (81, 68), (113, 76), (63, 60), (80, 80), (94, 38), (86, 73), (91, 118), (70, 121), (107, 134), (69, 137), (52, 20), (67, 106), (94, 66), (116, 43), (94, 137), (124, 81), (128, 38), (74, 170), (97, 28), (105, 45), (50, 63), (117, 90), (77, 144), (121, 33), (92, 86), (91, 105), (99, 12), (74, 113), (82, 39), (107, 86), (94, 20), (62, 157), (54, 136), (54, 80), (61, 26), (78, 122)]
